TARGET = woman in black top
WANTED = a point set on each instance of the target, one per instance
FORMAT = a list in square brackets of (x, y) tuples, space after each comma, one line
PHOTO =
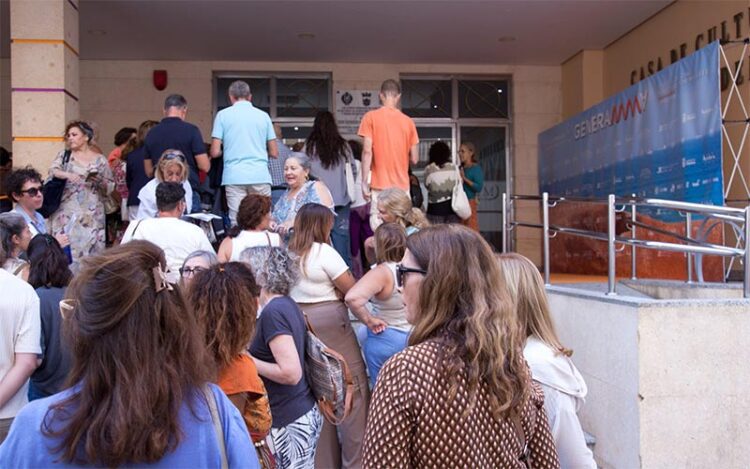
[(278, 350)]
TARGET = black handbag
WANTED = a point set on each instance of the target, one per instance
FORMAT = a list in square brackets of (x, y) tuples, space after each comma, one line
[(53, 191)]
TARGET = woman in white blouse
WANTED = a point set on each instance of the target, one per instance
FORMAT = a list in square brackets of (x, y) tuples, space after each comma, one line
[(172, 167), (324, 280), (564, 387)]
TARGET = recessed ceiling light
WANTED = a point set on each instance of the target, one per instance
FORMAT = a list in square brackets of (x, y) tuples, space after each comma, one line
[(499, 90), (506, 39), (306, 36), (296, 129), (97, 32)]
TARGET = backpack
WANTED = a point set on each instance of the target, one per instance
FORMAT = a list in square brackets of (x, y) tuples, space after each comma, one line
[(329, 378)]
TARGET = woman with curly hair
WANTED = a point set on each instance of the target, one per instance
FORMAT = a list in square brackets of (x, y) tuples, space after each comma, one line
[(140, 392), (460, 395), (225, 301), (278, 350)]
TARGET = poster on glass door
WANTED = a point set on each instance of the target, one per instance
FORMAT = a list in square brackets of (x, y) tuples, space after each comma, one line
[(351, 106)]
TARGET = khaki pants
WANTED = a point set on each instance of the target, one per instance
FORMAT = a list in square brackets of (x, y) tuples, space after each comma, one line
[(341, 447), (235, 194)]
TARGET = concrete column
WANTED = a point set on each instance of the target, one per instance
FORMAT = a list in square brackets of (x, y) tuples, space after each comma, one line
[(582, 81), (44, 77)]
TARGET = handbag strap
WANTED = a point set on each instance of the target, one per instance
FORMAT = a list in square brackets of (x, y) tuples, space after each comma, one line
[(268, 237), (211, 398), (524, 457), (66, 159)]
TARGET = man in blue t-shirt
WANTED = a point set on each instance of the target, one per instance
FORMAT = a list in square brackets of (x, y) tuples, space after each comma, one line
[(248, 138), (174, 133)]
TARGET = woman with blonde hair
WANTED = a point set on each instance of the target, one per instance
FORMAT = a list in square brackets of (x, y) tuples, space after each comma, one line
[(172, 167), (324, 280), (394, 206), (564, 387), (387, 327), (461, 394)]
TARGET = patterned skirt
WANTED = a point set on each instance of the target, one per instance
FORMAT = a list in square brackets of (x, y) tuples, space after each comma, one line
[(294, 446)]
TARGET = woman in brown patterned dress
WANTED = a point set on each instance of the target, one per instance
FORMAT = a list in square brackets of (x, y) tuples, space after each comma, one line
[(461, 394)]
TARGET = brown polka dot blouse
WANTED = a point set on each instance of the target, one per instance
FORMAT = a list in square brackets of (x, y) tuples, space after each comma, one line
[(412, 423)]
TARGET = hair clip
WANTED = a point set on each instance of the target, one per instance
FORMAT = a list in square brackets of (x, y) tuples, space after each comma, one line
[(161, 281)]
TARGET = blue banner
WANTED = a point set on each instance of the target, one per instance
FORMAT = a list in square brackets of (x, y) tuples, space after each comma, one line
[(659, 138)]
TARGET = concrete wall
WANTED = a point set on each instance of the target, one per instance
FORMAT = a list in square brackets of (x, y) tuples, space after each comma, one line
[(666, 378), (120, 93)]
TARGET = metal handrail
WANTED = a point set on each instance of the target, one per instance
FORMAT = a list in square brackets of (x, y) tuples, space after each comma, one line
[(693, 246)]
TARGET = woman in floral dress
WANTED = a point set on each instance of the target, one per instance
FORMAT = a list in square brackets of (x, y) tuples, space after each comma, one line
[(89, 181)]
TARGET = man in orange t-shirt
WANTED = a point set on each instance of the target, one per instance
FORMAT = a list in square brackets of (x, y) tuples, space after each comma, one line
[(390, 143)]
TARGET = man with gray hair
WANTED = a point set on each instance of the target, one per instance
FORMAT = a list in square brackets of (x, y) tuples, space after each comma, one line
[(248, 138)]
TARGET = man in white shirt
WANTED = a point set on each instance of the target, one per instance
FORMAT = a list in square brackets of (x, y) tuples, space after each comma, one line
[(177, 238), (20, 330)]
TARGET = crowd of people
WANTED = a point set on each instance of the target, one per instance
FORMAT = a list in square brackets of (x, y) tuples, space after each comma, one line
[(182, 344)]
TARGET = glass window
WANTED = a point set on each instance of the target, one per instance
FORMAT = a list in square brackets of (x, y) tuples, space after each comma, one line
[(483, 98), (428, 136), (293, 133), (301, 97), (260, 88), (490, 144), (426, 98)]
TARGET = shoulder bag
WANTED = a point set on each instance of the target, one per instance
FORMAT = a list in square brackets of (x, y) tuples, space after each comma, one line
[(460, 201), (329, 378), (53, 190), (216, 420)]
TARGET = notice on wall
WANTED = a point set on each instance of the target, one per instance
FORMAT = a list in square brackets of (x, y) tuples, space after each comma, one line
[(350, 106)]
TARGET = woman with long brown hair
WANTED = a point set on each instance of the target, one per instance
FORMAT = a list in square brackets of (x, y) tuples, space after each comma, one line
[(139, 394), (550, 363), (225, 301), (460, 395), (324, 280)]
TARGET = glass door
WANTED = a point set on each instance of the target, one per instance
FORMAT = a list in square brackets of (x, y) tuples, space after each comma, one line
[(491, 142)]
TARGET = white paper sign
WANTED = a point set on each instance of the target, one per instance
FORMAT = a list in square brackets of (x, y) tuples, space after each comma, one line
[(350, 106)]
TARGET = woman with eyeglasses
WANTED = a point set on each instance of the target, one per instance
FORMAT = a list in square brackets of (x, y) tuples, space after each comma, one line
[(387, 328), (14, 240), (141, 394), (194, 263), (172, 167), (461, 394), (89, 181), (324, 280), (25, 189), (550, 363), (49, 275)]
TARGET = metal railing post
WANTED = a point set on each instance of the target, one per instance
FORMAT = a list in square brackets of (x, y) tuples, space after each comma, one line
[(505, 222), (688, 232), (611, 253), (545, 235), (746, 260), (633, 264)]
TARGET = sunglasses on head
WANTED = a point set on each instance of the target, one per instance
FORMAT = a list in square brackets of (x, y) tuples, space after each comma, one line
[(401, 272), (33, 191), (174, 156)]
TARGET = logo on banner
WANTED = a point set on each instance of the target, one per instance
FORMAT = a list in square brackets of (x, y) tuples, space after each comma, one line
[(347, 98), (366, 98), (620, 112)]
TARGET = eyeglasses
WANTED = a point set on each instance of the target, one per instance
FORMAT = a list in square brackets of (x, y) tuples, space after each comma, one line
[(67, 307), (401, 271), (33, 192), (190, 271)]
